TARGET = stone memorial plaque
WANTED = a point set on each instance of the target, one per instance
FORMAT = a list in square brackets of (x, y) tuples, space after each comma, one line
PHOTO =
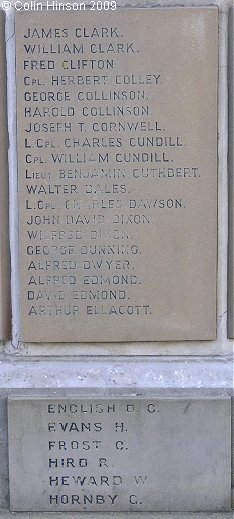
[(117, 145), (5, 311), (119, 454), (231, 183)]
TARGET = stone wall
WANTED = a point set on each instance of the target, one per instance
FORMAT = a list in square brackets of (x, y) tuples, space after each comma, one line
[(201, 366)]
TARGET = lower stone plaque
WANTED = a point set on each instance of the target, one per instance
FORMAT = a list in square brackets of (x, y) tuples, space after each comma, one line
[(119, 454)]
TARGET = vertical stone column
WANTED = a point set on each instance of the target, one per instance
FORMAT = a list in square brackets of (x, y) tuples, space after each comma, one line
[(231, 183), (4, 229)]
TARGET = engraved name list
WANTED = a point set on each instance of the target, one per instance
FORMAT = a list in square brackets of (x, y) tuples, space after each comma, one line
[(117, 175), (116, 454)]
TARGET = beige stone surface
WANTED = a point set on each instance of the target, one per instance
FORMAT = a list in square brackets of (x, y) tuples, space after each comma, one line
[(118, 199), (119, 454), (5, 311)]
